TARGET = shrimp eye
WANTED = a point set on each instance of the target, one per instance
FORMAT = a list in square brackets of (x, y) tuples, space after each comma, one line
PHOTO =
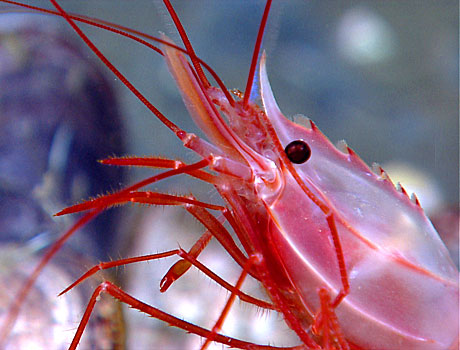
[(298, 151)]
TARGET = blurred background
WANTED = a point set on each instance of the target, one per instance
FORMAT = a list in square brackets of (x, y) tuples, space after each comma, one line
[(381, 75)]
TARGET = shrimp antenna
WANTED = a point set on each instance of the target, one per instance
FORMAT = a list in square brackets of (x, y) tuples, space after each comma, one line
[(130, 34), (255, 54), (173, 127), (188, 45)]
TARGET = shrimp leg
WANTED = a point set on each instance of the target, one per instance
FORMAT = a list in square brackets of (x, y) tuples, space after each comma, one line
[(158, 162), (182, 266), (254, 259), (327, 324), (179, 252), (95, 208), (118, 293)]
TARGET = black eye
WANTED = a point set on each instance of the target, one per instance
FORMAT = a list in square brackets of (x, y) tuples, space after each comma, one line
[(298, 151)]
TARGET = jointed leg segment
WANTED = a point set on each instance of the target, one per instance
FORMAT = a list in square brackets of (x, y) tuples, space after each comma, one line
[(116, 292), (183, 254)]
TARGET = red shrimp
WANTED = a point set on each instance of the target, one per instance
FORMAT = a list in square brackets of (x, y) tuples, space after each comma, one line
[(349, 260)]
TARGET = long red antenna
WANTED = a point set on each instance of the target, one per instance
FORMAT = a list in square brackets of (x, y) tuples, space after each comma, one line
[(178, 131), (255, 54), (188, 45), (131, 34)]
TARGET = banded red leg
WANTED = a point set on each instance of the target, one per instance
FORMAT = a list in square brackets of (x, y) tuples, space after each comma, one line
[(116, 292), (96, 207), (181, 267), (254, 259), (157, 162), (326, 325), (196, 208), (179, 252)]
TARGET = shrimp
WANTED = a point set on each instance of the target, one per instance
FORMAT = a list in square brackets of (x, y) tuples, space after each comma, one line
[(370, 262)]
